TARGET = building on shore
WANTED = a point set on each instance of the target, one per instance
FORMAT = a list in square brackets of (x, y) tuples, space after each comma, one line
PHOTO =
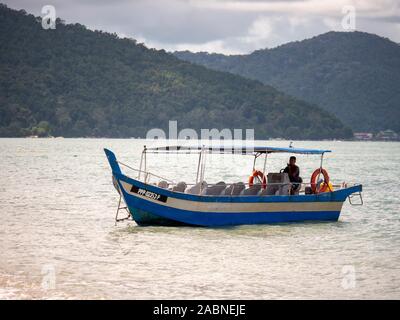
[(387, 135), (365, 136)]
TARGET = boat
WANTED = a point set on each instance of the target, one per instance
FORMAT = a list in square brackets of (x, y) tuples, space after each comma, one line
[(266, 198)]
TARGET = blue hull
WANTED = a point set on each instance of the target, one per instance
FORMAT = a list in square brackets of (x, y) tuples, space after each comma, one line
[(214, 219), (146, 212)]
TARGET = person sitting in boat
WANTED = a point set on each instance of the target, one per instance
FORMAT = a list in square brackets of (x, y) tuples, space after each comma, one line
[(293, 172)]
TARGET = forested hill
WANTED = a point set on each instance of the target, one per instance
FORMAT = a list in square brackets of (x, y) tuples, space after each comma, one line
[(354, 75), (75, 82)]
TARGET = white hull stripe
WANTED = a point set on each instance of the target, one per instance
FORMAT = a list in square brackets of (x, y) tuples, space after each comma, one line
[(199, 206)]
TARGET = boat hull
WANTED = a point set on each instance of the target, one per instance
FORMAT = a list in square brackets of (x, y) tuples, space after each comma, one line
[(145, 218), (150, 205)]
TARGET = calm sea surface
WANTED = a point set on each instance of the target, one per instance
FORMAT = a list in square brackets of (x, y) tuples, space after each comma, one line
[(58, 239)]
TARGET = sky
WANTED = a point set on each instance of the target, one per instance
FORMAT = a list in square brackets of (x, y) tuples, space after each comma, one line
[(224, 26)]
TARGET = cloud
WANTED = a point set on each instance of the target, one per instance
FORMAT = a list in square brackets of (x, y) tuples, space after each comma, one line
[(226, 26)]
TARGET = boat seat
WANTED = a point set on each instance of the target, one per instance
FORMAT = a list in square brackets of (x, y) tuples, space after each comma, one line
[(234, 189), (163, 184), (284, 190), (252, 191), (215, 190), (180, 187), (197, 188), (277, 184)]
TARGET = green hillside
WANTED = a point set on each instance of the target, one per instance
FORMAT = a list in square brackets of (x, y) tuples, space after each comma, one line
[(75, 82), (354, 75)]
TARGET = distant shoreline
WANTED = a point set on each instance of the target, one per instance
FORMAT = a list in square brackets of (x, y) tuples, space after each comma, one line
[(166, 140)]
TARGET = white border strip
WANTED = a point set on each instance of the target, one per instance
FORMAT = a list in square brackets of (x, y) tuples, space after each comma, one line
[(230, 207)]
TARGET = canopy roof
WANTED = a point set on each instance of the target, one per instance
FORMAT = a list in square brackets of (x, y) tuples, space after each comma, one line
[(233, 149)]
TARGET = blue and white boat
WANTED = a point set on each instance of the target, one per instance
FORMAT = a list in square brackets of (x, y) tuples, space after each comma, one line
[(266, 198)]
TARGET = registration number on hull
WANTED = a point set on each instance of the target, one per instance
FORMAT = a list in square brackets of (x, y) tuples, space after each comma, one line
[(149, 194)]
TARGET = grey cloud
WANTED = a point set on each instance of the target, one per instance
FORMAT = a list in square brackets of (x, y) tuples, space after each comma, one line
[(213, 25)]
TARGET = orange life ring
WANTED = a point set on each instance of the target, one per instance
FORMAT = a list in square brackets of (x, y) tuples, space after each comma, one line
[(260, 176), (313, 182)]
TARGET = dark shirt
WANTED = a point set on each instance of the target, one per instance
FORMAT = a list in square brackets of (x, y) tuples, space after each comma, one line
[(294, 172)]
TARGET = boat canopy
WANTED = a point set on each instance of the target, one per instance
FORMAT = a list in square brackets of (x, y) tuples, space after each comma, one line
[(233, 149)]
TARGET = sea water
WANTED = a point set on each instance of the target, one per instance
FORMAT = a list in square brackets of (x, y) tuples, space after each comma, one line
[(58, 239)]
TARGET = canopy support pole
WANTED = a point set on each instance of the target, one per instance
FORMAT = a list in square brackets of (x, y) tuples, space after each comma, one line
[(320, 170), (255, 159), (145, 165), (203, 167), (198, 167), (265, 163), (322, 158), (141, 162)]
